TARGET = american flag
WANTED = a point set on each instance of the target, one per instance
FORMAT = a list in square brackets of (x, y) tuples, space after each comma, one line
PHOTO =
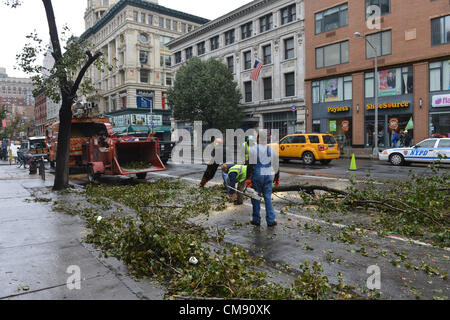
[(256, 70)]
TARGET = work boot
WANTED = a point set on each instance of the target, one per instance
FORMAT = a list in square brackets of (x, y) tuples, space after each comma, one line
[(202, 183), (272, 224), (257, 224)]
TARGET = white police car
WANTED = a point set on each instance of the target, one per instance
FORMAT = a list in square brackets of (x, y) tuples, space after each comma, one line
[(429, 150)]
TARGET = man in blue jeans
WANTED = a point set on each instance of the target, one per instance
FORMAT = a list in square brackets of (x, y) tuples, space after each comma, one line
[(262, 160)]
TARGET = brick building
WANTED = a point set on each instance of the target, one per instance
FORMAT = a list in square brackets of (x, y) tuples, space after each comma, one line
[(412, 39), (40, 113)]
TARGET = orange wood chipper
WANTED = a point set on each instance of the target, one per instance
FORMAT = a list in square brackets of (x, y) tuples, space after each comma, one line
[(97, 150)]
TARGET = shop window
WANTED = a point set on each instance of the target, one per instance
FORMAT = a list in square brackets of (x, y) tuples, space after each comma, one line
[(440, 124), (440, 31), (440, 76), (381, 41), (331, 19), (332, 55), (392, 82), (384, 5), (331, 90)]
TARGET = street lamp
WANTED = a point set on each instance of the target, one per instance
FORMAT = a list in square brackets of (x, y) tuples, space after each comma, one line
[(375, 149)]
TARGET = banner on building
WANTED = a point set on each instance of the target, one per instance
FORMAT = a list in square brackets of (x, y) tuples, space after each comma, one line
[(331, 90)]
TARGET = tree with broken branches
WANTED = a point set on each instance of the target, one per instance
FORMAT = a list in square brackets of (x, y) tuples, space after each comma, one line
[(63, 82)]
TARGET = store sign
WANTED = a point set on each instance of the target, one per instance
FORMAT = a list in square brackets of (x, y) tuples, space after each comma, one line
[(338, 109), (345, 125), (386, 105), (441, 100), (393, 124), (332, 125)]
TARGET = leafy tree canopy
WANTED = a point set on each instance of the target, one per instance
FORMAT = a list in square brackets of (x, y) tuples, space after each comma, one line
[(206, 91)]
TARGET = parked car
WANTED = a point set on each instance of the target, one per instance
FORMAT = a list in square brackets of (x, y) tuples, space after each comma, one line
[(429, 150), (308, 147)]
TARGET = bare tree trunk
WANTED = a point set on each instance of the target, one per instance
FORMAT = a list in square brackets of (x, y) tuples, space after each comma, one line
[(63, 149)]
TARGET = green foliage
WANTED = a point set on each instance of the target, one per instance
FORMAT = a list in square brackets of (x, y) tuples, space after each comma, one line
[(206, 91), (416, 207), (160, 241)]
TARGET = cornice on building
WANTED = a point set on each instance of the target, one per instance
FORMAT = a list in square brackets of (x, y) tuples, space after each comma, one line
[(142, 4), (223, 20)]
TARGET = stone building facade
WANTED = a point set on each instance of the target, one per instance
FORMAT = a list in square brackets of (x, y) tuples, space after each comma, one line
[(271, 32), (133, 37)]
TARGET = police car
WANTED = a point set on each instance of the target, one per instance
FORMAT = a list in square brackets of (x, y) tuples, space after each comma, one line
[(429, 150)]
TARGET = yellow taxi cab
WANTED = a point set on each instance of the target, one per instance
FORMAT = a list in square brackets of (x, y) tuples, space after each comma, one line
[(308, 147)]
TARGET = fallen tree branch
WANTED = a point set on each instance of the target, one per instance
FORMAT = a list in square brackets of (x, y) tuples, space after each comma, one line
[(308, 189)]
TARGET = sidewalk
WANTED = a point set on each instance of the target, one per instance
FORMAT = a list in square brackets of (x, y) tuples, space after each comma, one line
[(37, 246)]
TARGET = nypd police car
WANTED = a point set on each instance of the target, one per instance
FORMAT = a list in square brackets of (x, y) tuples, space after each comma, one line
[(429, 150)]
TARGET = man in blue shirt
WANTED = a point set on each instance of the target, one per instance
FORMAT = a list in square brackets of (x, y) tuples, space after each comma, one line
[(261, 170)]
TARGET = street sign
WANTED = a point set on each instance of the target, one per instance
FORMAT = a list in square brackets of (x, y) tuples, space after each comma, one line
[(293, 108)]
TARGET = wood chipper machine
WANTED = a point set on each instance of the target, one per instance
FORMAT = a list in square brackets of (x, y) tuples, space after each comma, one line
[(114, 155)]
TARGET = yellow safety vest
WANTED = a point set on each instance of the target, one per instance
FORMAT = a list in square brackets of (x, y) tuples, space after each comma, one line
[(241, 171)]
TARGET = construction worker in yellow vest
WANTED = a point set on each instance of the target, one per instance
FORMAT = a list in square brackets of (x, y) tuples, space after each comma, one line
[(236, 174), (249, 142)]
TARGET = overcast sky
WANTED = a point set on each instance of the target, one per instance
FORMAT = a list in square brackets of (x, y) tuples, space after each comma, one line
[(15, 24)]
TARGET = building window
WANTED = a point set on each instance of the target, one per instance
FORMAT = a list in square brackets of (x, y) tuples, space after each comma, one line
[(188, 52), (161, 22), (143, 17), (246, 30), (267, 83), (214, 43), (178, 57), (392, 82), (384, 5), (440, 76), (229, 37), (175, 26), (183, 27), (289, 79), (150, 19), (289, 52), (168, 81), (201, 48), (248, 91), (331, 55), (168, 24), (163, 41), (247, 60), (440, 30), (189, 28), (267, 54), (135, 16), (288, 14), (331, 19), (143, 57), (230, 63), (266, 23), (165, 61), (382, 41), (332, 90), (144, 76)]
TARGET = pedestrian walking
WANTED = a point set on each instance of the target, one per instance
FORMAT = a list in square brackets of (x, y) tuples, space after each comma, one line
[(395, 138), (262, 159), (235, 174)]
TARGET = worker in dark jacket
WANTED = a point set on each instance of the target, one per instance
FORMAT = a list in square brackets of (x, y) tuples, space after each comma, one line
[(236, 174)]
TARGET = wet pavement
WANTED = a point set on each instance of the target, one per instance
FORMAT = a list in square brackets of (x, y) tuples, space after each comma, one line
[(38, 247)]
